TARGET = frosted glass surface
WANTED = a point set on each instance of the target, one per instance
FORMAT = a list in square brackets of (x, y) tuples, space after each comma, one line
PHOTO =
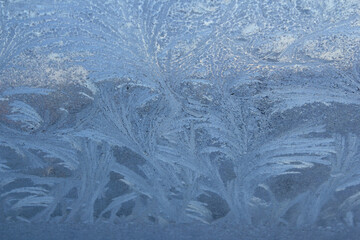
[(180, 116)]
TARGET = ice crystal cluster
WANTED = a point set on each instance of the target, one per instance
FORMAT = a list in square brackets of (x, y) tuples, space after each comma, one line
[(179, 111)]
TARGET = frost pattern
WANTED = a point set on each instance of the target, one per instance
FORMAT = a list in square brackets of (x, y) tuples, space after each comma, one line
[(180, 111)]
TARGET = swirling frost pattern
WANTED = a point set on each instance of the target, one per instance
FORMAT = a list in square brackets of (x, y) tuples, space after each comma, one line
[(180, 111)]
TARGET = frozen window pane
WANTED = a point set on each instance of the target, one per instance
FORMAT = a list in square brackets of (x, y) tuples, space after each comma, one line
[(193, 115)]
